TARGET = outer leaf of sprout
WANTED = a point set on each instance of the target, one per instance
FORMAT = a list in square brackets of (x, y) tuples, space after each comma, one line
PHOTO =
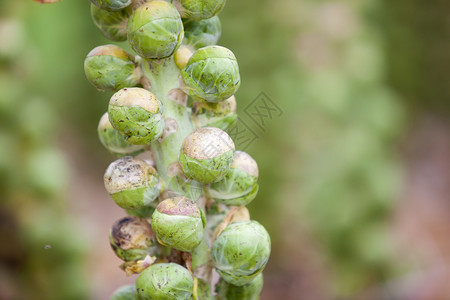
[(199, 34), (112, 24), (239, 186), (164, 281), (114, 141), (242, 200)]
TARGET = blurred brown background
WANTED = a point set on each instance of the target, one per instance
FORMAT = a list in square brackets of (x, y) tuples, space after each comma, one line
[(354, 162)]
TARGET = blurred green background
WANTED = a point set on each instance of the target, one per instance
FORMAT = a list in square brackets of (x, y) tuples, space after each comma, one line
[(354, 163)]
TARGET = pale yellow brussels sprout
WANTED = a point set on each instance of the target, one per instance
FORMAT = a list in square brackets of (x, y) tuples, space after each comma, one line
[(182, 56)]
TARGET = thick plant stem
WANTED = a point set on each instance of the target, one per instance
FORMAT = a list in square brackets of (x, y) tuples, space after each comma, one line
[(163, 76)]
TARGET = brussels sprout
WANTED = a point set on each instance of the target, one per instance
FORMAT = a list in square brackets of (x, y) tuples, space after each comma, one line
[(198, 34), (249, 291), (155, 30), (132, 238), (181, 56), (212, 74), (111, 5), (222, 115), (165, 281), (136, 113), (114, 141), (132, 183), (199, 9), (238, 186), (178, 222), (241, 252), (113, 25), (126, 292), (206, 154), (109, 68)]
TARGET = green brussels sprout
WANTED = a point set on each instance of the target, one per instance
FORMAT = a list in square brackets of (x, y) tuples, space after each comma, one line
[(111, 5), (109, 68), (249, 291), (178, 223), (155, 30), (239, 182), (132, 183), (222, 115), (165, 281), (136, 113), (113, 25), (206, 154), (241, 252), (114, 141), (182, 55), (199, 9), (126, 292), (199, 34), (132, 238), (212, 74)]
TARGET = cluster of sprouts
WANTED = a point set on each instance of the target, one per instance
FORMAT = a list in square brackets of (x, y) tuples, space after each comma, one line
[(185, 195)]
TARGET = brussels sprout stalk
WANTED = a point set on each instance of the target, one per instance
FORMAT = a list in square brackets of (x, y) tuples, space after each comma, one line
[(195, 191), (163, 75)]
